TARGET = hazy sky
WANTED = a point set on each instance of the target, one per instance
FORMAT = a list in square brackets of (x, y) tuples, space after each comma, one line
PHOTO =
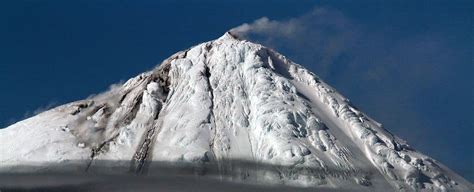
[(408, 65)]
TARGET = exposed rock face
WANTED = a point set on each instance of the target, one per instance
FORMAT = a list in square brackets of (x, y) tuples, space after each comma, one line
[(225, 102)]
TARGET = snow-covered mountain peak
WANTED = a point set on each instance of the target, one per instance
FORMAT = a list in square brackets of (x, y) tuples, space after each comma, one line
[(228, 103), (228, 36)]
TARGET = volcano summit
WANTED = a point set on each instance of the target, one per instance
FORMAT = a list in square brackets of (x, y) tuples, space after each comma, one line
[(217, 106)]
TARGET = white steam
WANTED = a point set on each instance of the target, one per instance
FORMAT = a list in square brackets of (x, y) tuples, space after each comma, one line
[(317, 37)]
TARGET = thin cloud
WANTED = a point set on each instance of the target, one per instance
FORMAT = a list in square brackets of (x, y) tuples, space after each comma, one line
[(318, 37)]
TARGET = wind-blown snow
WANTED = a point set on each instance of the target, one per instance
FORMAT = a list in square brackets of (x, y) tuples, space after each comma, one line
[(221, 101)]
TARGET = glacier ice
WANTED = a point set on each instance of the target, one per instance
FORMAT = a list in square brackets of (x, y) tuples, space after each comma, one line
[(224, 103)]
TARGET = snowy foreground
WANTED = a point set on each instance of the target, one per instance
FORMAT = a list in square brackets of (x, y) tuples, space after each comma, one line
[(230, 111)]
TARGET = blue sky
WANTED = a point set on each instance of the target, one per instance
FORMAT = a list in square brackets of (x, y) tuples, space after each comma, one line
[(408, 65)]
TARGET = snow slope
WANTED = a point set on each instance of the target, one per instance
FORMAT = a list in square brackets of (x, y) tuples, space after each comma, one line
[(223, 103)]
